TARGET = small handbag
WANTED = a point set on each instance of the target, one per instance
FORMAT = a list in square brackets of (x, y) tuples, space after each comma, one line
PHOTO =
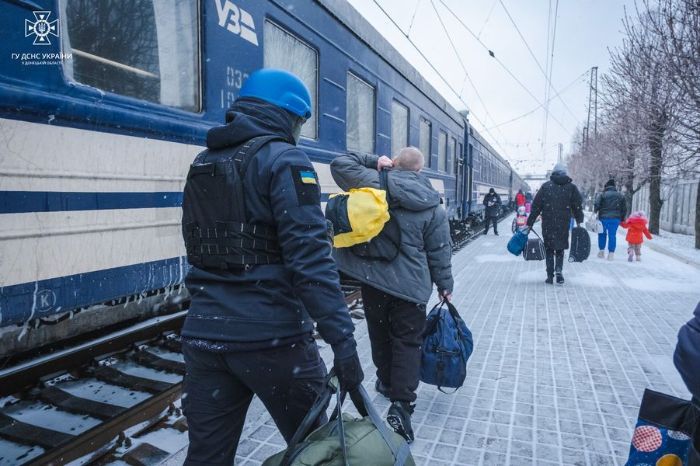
[(667, 432), (599, 227), (534, 250)]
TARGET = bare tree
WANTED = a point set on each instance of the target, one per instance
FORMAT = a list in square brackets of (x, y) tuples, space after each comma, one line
[(676, 25)]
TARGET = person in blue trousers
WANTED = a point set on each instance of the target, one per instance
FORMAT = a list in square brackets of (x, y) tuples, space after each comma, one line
[(611, 209)]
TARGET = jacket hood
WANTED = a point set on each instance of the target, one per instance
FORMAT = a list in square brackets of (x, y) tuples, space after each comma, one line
[(640, 221), (248, 118), (637, 217), (411, 190), (560, 178)]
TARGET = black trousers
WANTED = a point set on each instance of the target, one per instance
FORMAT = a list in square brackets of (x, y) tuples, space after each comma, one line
[(219, 387), (490, 220), (395, 328), (554, 260)]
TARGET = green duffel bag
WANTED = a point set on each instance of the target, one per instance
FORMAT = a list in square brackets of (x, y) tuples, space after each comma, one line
[(344, 440)]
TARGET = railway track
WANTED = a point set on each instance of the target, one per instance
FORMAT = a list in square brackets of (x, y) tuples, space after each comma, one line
[(111, 399)]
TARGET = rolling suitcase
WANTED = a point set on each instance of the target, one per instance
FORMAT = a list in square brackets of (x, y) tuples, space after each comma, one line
[(580, 245), (534, 251)]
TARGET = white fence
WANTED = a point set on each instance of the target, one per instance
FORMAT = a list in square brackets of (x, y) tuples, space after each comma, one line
[(678, 210)]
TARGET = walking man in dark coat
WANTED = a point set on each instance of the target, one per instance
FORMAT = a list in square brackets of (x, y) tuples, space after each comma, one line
[(557, 201), (492, 201), (262, 270), (395, 293)]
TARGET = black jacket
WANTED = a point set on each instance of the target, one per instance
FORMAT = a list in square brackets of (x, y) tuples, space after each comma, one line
[(687, 355), (557, 201), (269, 303), (611, 204), (492, 201)]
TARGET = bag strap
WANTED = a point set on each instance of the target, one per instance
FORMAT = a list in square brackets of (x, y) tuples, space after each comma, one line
[(536, 234), (401, 451), (241, 159), (316, 411), (364, 406)]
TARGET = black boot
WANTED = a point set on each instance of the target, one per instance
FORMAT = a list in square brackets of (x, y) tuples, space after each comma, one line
[(560, 278), (382, 389), (399, 418), (549, 280)]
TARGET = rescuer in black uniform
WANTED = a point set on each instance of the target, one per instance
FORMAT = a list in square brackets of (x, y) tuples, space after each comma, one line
[(262, 270)]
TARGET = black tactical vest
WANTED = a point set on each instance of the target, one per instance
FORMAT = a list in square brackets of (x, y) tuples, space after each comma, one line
[(214, 223)]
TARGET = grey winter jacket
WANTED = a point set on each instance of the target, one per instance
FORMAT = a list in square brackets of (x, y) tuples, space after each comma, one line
[(426, 248), (611, 204)]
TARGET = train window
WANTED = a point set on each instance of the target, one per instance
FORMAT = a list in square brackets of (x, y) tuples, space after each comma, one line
[(286, 52), (359, 118), (147, 49), (426, 135), (442, 150), (399, 127)]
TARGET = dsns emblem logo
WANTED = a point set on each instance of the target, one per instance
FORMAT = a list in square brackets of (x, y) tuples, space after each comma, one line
[(236, 20), (42, 28)]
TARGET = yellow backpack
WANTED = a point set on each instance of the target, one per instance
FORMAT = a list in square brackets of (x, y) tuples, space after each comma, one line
[(361, 220), (357, 215)]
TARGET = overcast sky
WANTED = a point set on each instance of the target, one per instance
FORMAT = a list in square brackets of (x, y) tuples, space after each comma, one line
[(585, 29)]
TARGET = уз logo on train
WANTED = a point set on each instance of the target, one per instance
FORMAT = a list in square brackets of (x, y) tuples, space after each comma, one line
[(236, 20), (42, 28)]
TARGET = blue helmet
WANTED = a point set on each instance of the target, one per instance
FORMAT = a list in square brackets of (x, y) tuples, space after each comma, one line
[(280, 88)]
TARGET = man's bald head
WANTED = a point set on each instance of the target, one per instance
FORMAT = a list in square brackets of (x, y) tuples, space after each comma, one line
[(410, 159)]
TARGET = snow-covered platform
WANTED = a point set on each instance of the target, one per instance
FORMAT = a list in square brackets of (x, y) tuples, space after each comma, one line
[(557, 372)]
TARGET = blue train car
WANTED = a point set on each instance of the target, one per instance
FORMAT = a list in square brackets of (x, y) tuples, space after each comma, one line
[(104, 104)]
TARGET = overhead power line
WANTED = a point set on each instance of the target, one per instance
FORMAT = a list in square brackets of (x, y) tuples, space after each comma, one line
[(432, 66), (498, 60), (529, 112), (550, 62), (534, 57), (461, 62)]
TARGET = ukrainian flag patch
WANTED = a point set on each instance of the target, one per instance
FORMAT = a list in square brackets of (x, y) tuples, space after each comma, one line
[(307, 177), (306, 185)]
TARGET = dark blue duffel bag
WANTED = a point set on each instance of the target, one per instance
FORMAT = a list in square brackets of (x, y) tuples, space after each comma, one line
[(517, 244), (447, 345)]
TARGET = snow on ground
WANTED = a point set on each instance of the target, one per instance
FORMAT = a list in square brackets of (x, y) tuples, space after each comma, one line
[(137, 370), (678, 244), (12, 453), (169, 440), (165, 354), (41, 414), (95, 390), (557, 372)]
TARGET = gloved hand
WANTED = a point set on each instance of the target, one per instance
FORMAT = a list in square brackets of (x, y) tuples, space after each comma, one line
[(349, 372)]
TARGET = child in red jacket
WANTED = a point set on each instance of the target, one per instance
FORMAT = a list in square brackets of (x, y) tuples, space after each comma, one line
[(636, 226)]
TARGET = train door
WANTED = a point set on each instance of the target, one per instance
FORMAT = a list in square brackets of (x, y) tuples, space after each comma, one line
[(469, 179), (459, 171)]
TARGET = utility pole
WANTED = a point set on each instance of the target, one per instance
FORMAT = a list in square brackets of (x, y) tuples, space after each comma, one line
[(560, 157), (592, 105)]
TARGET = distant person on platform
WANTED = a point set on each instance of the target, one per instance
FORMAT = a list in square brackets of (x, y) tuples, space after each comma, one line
[(557, 201), (528, 202), (519, 199), (492, 201), (612, 210)]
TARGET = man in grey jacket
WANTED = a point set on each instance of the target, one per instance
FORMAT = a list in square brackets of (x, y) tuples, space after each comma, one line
[(395, 293)]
